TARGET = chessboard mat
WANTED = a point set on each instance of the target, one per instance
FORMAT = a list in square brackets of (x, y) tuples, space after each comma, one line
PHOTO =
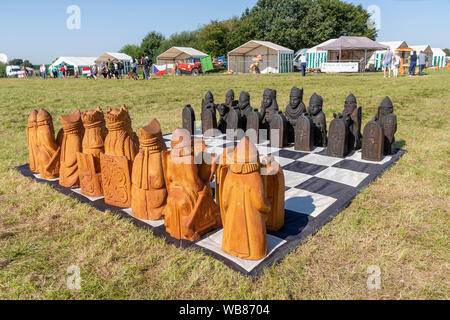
[(318, 187)]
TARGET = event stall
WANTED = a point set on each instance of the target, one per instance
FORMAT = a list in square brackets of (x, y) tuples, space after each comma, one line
[(111, 56), (427, 50), (183, 54), (315, 58), (348, 53), (400, 46), (438, 57), (275, 58), (77, 63)]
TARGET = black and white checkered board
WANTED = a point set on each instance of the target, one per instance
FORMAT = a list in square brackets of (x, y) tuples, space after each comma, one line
[(318, 187)]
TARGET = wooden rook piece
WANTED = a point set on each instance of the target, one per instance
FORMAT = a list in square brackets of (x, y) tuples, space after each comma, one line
[(49, 149), (338, 137), (389, 121), (121, 147), (190, 211), (209, 123), (353, 116), (278, 126), (73, 132), (32, 141), (148, 191), (373, 141), (304, 137), (253, 126), (274, 187), (89, 169), (319, 120), (294, 110), (189, 119), (244, 230)]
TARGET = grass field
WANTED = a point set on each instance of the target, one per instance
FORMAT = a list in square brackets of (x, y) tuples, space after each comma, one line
[(399, 223)]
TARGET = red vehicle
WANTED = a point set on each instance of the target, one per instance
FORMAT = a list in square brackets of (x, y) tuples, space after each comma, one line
[(194, 68)]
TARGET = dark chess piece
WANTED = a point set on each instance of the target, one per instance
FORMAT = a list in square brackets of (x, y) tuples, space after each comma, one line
[(209, 123), (189, 119), (244, 108), (278, 126), (229, 121), (354, 116), (304, 136), (294, 110), (389, 122), (319, 120), (229, 100), (269, 107), (373, 141), (208, 103), (338, 137)]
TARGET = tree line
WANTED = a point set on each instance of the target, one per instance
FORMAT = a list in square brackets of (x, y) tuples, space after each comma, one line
[(294, 24)]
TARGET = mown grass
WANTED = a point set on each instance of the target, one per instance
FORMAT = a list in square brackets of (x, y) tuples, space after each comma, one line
[(400, 222)]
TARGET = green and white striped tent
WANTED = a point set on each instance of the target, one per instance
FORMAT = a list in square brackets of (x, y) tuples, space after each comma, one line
[(315, 58), (438, 57), (377, 56)]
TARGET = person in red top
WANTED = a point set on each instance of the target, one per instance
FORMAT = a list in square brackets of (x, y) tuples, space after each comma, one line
[(63, 72)]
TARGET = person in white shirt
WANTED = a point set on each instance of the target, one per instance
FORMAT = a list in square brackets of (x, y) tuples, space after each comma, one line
[(396, 63), (43, 70), (303, 64)]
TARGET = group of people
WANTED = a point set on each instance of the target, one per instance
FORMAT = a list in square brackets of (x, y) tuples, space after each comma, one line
[(110, 69), (392, 61)]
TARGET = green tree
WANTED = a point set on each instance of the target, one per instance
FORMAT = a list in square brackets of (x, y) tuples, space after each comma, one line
[(447, 51), (132, 50), (151, 44), (27, 64), (2, 70), (15, 62)]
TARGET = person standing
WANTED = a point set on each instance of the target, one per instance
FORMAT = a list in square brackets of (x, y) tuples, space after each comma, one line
[(387, 61), (146, 68), (142, 65), (116, 69), (422, 62), (110, 68), (413, 64), (303, 64), (396, 63), (43, 72), (133, 65)]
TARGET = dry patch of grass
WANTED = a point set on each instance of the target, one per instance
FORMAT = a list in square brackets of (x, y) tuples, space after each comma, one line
[(400, 222)]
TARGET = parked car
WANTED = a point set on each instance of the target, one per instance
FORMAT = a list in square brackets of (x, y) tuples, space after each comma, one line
[(13, 71)]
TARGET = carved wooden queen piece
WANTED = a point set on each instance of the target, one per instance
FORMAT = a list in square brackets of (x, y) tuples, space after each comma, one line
[(121, 147), (70, 146), (148, 191), (190, 211), (244, 233), (93, 145), (48, 148)]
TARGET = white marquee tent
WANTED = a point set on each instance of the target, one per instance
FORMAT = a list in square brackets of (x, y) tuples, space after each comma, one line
[(276, 58), (315, 57), (377, 56), (183, 54), (126, 59), (76, 62), (438, 57), (427, 50)]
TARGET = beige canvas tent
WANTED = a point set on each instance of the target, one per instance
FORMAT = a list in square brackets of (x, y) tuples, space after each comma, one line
[(107, 56), (183, 54), (275, 58)]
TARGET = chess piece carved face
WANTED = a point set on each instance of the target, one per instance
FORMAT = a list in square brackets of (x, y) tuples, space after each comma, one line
[(229, 98), (315, 105), (244, 100), (209, 98), (223, 110), (296, 97), (267, 98), (350, 104)]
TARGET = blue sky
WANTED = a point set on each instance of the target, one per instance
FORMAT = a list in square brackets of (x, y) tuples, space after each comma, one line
[(36, 30)]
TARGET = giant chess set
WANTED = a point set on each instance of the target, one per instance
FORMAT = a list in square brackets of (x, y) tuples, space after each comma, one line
[(244, 185)]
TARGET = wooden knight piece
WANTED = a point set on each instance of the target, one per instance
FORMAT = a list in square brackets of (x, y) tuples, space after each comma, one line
[(338, 137), (190, 211), (148, 190), (32, 141), (389, 121), (304, 136), (353, 116), (48, 148), (72, 141), (294, 110), (319, 120), (274, 188), (278, 126), (189, 119), (89, 169), (244, 229), (121, 147), (373, 141)]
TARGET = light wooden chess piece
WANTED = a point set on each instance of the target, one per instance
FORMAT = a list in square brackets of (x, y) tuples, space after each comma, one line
[(48, 148), (148, 190), (32, 141)]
